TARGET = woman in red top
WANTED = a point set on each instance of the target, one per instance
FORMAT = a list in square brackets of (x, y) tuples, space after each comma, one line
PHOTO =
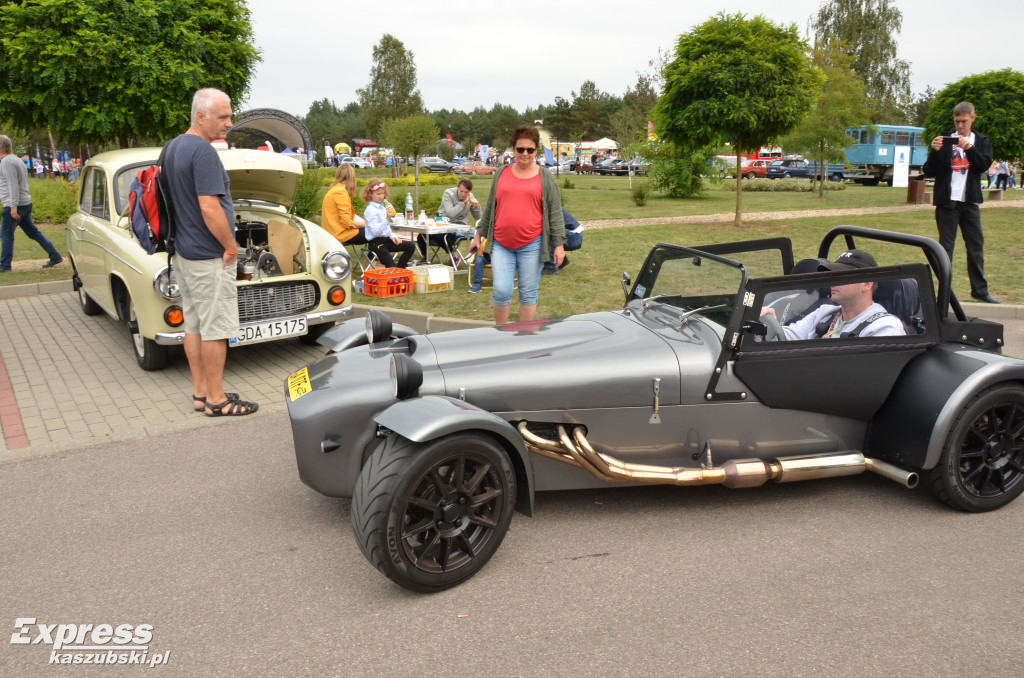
[(523, 225)]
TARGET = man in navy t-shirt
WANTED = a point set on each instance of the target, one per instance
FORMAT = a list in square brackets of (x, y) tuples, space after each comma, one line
[(205, 250)]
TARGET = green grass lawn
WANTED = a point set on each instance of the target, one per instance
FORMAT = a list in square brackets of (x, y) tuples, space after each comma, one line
[(591, 281)]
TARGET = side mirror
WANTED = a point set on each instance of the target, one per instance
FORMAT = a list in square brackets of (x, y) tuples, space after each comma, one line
[(625, 284)]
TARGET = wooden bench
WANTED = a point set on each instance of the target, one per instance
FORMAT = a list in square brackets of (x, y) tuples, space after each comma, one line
[(990, 194)]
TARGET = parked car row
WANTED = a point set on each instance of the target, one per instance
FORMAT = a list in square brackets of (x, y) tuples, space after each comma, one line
[(620, 166)]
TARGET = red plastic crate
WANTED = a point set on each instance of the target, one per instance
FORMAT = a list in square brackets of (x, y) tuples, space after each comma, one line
[(387, 282)]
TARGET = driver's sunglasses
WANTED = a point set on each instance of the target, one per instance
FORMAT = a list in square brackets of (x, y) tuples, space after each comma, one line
[(529, 151)]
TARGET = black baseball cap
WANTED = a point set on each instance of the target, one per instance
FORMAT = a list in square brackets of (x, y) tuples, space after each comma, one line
[(849, 259)]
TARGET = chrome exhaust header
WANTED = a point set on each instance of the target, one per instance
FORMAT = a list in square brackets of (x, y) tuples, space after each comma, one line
[(577, 451)]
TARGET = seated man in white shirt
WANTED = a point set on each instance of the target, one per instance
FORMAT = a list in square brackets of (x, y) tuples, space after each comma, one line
[(853, 311)]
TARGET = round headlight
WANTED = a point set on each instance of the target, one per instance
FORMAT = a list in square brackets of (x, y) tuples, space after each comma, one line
[(406, 376), (378, 326), (165, 284), (336, 265)]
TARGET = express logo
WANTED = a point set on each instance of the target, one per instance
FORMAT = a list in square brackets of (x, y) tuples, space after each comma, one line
[(90, 643)]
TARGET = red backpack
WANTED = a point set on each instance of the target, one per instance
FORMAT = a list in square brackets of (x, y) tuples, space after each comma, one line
[(149, 210)]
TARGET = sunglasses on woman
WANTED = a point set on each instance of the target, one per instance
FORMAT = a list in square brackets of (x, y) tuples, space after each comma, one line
[(521, 149)]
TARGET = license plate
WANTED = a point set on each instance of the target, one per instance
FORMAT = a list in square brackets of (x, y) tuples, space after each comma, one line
[(298, 384), (253, 333)]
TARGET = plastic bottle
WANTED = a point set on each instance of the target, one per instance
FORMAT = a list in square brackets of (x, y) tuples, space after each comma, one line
[(408, 206)]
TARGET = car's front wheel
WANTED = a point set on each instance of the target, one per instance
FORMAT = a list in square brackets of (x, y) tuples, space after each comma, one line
[(89, 307), (751, 175), (982, 462), (430, 515), (150, 355)]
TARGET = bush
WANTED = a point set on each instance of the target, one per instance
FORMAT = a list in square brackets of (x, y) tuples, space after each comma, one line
[(640, 193), (568, 185), (426, 179), (307, 195), (781, 185), (53, 200)]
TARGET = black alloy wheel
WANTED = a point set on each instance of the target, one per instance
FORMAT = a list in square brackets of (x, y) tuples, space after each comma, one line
[(430, 515), (982, 463)]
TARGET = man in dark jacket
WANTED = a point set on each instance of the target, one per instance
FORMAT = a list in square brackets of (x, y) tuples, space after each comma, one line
[(958, 162)]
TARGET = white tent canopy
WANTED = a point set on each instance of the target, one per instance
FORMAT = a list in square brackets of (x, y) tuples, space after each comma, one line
[(605, 144)]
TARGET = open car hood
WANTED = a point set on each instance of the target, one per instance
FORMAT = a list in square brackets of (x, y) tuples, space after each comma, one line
[(262, 175)]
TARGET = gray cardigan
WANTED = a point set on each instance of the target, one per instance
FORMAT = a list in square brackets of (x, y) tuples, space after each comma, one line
[(553, 225)]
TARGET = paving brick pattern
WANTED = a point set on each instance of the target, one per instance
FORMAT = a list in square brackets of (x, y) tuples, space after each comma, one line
[(75, 381)]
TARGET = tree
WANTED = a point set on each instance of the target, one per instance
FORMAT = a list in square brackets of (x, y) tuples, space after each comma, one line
[(822, 134), (327, 122), (917, 112), (869, 30), (587, 113), (744, 80), (997, 100), (411, 135), (98, 70), (628, 125), (391, 92)]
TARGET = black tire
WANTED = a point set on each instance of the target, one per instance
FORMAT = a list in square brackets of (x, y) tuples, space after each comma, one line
[(982, 462), (429, 516), (837, 177), (751, 175), (786, 175), (314, 333), (150, 355), (89, 307)]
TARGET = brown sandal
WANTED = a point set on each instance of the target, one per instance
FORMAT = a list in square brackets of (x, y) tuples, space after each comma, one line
[(232, 407)]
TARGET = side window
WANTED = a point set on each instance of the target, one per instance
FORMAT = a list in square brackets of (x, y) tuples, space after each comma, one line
[(888, 137), (902, 138), (100, 207), (85, 199)]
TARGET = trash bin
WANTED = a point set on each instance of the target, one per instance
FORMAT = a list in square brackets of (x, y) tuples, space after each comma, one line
[(915, 192)]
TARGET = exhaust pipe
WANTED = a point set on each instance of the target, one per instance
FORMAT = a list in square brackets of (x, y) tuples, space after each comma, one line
[(735, 473)]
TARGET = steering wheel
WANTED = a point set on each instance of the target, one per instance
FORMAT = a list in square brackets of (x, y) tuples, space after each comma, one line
[(774, 327)]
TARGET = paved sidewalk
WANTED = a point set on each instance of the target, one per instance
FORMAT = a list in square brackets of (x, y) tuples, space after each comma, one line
[(72, 380)]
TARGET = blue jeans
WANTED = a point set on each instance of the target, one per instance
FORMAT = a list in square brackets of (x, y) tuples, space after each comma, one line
[(504, 265), (24, 220), (573, 241), (479, 262)]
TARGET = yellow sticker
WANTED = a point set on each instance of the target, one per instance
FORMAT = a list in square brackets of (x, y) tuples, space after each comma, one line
[(298, 384)]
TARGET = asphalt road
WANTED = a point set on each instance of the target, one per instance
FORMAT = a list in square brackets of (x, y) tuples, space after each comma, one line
[(241, 570)]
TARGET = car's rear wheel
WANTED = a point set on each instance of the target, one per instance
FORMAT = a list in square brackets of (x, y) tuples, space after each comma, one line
[(982, 462), (786, 175), (751, 175), (150, 355), (429, 516)]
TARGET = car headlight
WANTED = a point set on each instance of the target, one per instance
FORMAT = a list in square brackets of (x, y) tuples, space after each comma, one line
[(336, 265), (378, 326), (406, 376), (166, 285)]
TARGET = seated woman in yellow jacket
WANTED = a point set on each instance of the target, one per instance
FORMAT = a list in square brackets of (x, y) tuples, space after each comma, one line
[(337, 216)]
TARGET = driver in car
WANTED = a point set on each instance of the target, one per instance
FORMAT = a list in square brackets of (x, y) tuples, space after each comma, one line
[(853, 311)]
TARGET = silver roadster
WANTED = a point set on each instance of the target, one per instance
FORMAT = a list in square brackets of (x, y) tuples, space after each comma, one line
[(439, 438)]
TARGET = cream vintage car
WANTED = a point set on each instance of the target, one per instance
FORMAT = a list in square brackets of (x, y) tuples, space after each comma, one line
[(294, 278)]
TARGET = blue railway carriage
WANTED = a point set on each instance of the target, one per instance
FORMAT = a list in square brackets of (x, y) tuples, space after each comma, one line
[(873, 149)]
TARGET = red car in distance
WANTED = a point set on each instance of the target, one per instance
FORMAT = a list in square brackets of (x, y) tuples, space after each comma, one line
[(475, 167), (755, 168)]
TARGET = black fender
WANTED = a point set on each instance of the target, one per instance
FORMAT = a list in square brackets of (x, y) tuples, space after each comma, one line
[(429, 417), (912, 425), (352, 333)]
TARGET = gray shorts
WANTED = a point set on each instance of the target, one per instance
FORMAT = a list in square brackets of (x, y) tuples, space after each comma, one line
[(209, 297)]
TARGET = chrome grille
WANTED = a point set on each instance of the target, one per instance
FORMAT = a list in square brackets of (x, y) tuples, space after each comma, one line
[(265, 302)]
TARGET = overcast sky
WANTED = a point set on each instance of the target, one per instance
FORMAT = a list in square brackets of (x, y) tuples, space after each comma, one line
[(483, 52)]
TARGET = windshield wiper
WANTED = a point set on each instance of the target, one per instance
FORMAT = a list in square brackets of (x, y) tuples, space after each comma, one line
[(686, 316)]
